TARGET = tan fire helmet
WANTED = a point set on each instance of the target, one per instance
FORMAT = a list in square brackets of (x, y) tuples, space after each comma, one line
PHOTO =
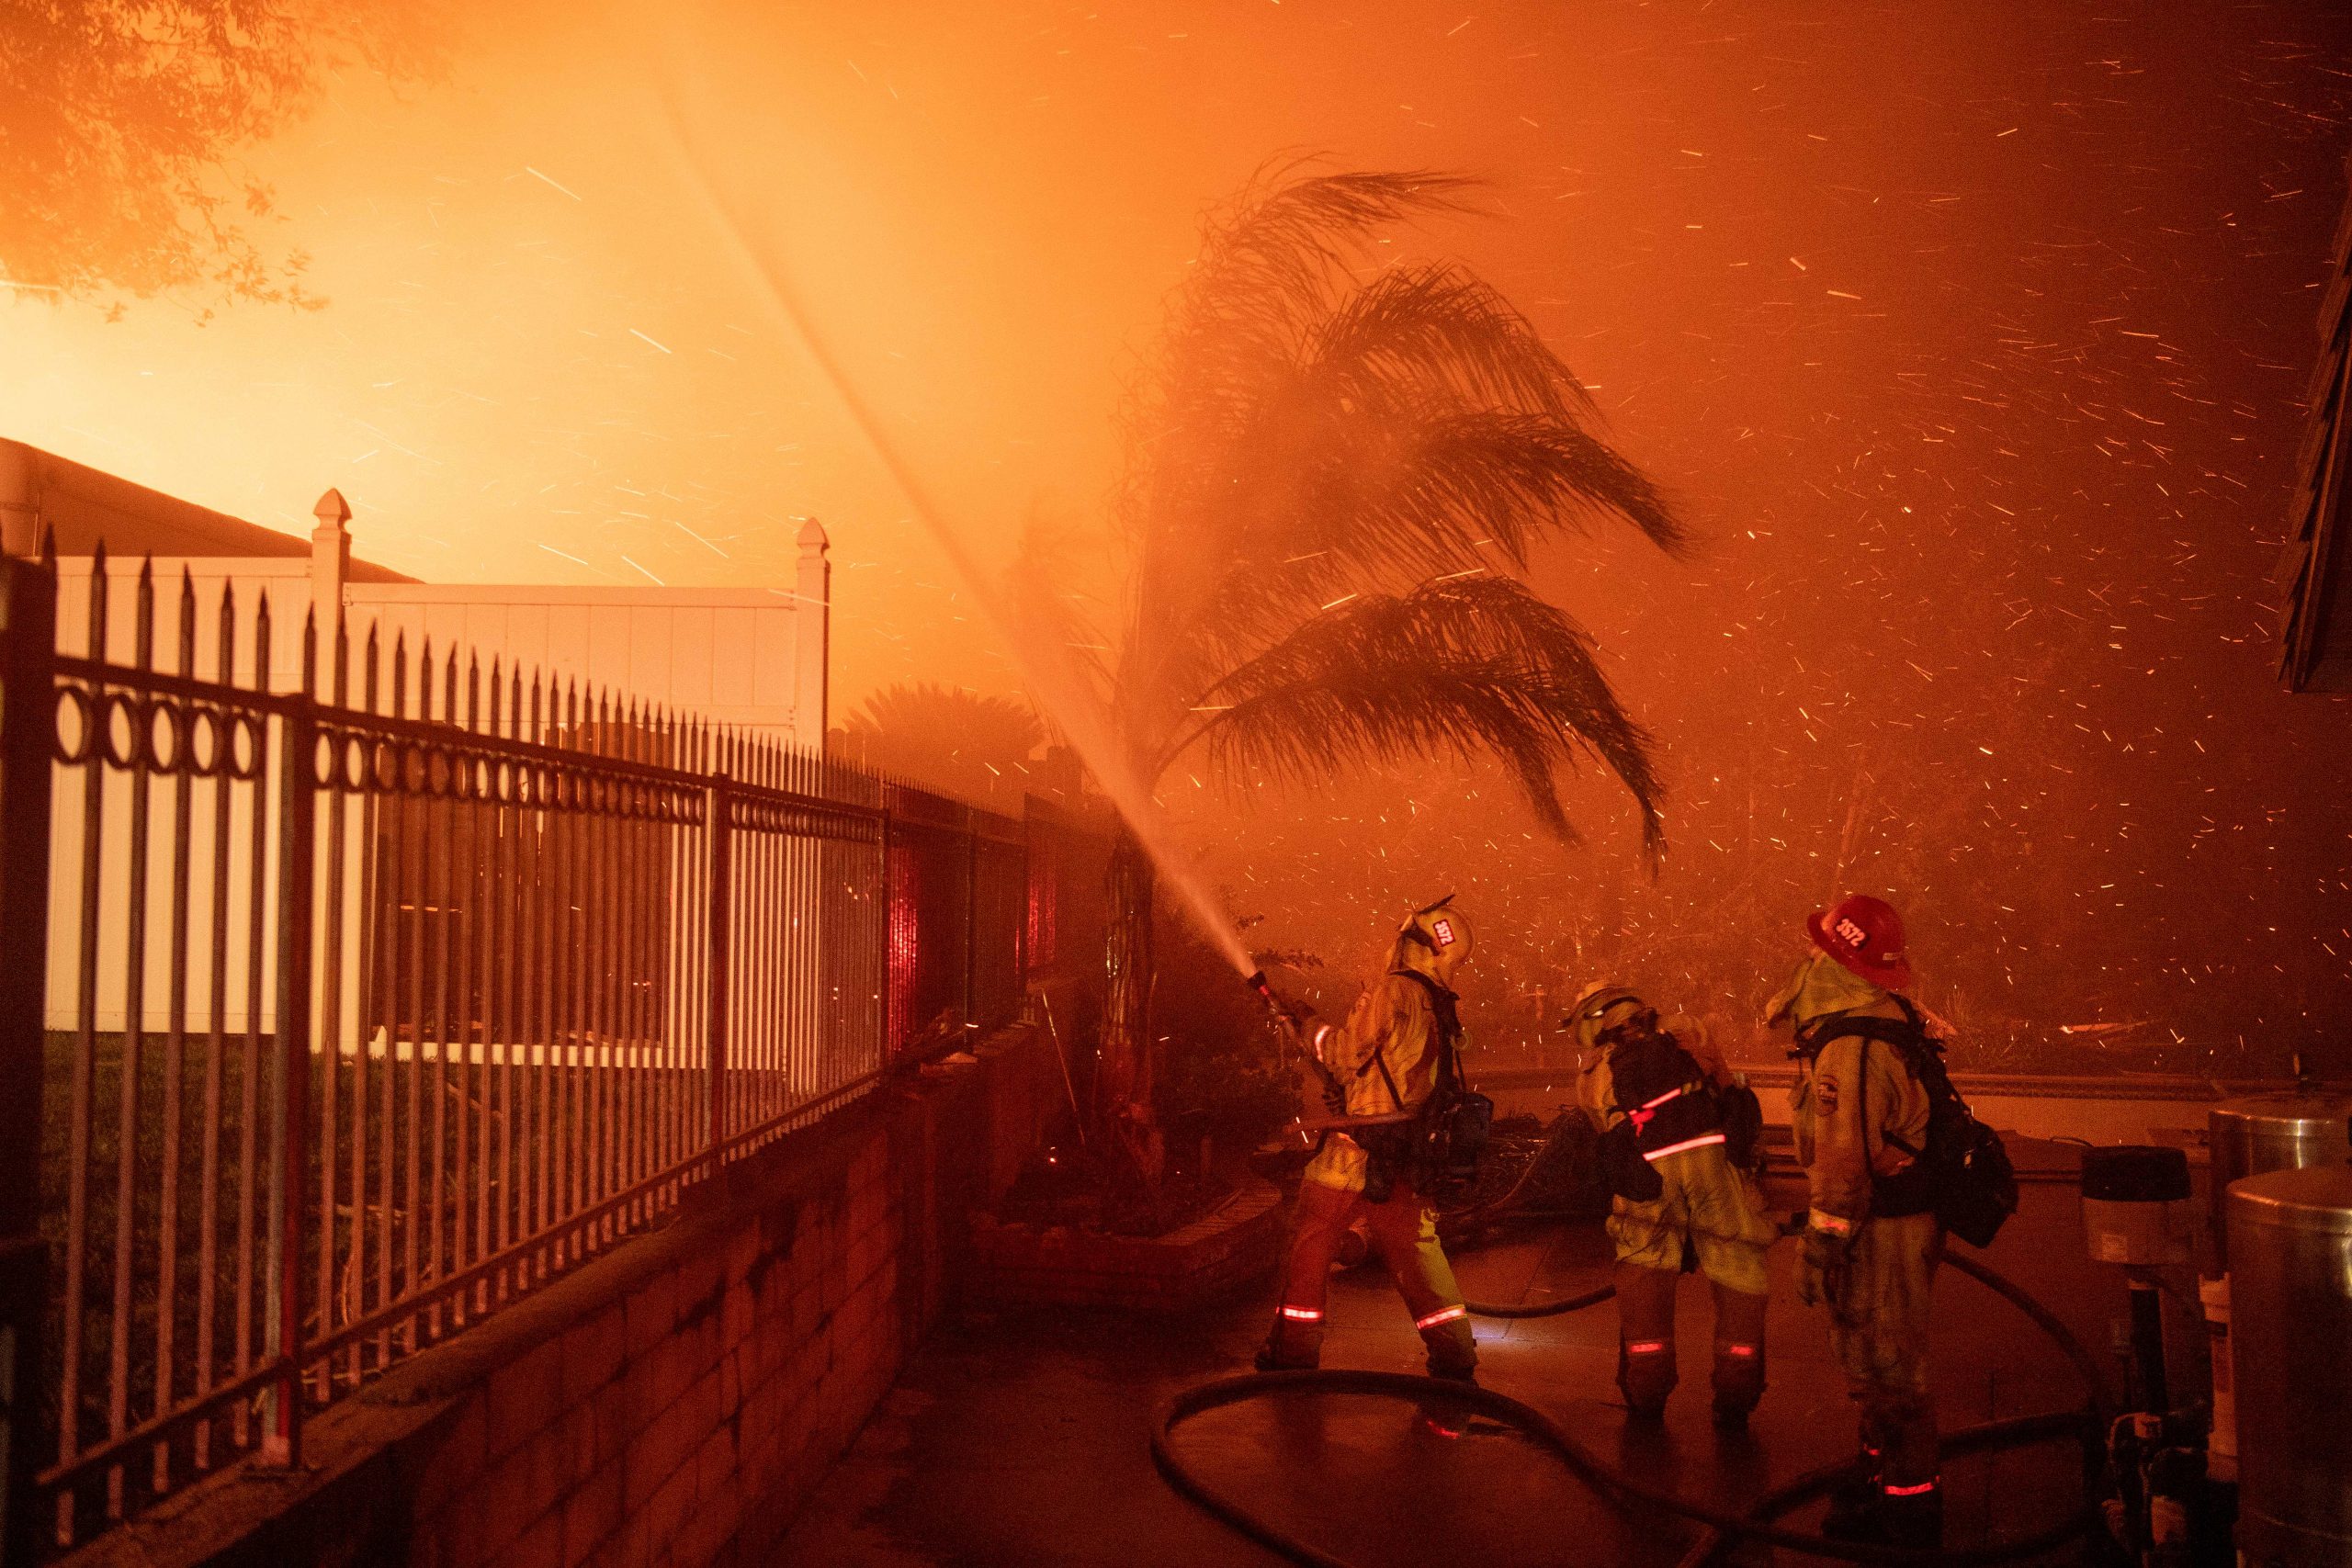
[(1435, 940), (1598, 1006)]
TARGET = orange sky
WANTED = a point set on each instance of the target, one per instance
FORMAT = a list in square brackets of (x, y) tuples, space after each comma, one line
[(1971, 340)]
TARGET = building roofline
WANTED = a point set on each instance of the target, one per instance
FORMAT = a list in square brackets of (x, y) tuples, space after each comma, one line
[(81, 506)]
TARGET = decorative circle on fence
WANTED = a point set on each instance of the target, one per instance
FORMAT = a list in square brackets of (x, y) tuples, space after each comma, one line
[(245, 752), (205, 748), (163, 737), (119, 723), (73, 733), (352, 751)]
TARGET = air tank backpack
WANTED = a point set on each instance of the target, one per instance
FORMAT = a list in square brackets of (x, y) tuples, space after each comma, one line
[(1443, 1145), (1668, 1102), (1962, 1171)]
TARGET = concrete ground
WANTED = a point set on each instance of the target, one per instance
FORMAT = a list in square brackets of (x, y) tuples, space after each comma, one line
[(1021, 1437)]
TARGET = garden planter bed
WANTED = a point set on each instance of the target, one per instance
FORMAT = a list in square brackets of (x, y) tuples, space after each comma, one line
[(1233, 1245)]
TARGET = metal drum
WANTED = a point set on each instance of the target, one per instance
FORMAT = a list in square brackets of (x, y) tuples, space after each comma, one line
[(2271, 1131), (2291, 1275)]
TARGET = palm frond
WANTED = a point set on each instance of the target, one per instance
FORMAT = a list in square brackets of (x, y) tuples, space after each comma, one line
[(1315, 441), (1270, 263), (926, 714), (1440, 329), (1461, 670), (1369, 503)]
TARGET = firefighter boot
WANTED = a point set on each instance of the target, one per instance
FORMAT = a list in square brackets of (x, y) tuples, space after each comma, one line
[(1913, 1516), (1645, 1371), (1295, 1341), (1739, 1356), (1453, 1349), (1853, 1513), (1911, 1502)]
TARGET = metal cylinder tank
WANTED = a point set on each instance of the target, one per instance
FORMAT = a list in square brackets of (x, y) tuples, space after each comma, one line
[(2290, 1303), (2271, 1131)]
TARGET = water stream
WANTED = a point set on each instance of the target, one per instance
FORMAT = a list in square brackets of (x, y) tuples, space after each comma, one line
[(1052, 683)]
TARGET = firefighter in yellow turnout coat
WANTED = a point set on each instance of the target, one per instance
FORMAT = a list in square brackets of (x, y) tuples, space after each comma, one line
[(1385, 1059), (1667, 1110), (1868, 1256)]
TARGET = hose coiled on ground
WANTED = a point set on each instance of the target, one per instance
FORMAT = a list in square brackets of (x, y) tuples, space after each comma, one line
[(1720, 1528)]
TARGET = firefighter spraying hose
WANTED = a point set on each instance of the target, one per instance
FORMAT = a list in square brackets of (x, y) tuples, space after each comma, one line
[(1300, 1030), (1396, 1118), (1657, 1212)]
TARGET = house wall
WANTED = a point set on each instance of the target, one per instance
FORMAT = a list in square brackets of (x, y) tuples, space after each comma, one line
[(729, 656), (752, 660)]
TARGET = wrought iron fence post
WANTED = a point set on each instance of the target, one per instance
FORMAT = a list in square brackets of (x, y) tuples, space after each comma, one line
[(971, 917), (27, 641), (718, 838), (290, 1102)]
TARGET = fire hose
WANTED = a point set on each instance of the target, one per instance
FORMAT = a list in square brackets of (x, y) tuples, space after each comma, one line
[(1720, 1529)]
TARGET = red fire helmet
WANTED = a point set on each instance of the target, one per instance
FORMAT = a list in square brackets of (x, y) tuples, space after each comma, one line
[(1864, 934)]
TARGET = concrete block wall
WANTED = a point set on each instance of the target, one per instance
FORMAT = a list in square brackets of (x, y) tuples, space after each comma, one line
[(672, 1402), (1030, 1096), (654, 1428)]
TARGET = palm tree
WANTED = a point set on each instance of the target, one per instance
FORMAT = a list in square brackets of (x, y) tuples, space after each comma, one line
[(1334, 474), (946, 739)]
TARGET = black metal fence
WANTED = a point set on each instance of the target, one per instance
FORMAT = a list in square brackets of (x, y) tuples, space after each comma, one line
[(338, 1011)]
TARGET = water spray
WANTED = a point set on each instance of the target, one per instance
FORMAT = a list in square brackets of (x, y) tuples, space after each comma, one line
[(1047, 676)]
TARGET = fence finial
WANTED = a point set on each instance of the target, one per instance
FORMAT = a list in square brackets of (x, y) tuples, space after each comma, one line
[(330, 556)]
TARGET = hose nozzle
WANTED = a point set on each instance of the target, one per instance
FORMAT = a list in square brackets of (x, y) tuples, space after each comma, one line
[(1281, 1014)]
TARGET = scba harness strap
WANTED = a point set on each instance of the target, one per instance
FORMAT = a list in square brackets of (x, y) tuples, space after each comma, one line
[(1911, 1190), (1448, 1132), (1663, 1093), (1960, 1170)]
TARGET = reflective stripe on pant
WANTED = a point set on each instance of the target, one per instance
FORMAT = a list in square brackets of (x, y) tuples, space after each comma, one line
[(1403, 1233), (1645, 1366), (1740, 1351), (1646, 1372)]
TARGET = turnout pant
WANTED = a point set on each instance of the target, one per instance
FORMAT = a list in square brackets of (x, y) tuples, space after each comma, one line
[(1403, 1233), (1710, 1214), (1646, 1359), (1878, 1331)]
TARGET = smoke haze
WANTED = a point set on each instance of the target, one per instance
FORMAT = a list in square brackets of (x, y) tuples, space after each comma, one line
[(1972, 343)]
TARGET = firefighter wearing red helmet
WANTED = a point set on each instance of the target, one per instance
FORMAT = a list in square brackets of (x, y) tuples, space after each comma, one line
[(1382, 1068), (1859, 1117)]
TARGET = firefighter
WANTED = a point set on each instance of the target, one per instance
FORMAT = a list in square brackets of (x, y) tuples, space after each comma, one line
[(1870, 1244), (1677, 1138), (1383, 1065)]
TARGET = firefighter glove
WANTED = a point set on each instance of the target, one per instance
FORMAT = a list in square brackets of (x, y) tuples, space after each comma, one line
[(1821, 1265)]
